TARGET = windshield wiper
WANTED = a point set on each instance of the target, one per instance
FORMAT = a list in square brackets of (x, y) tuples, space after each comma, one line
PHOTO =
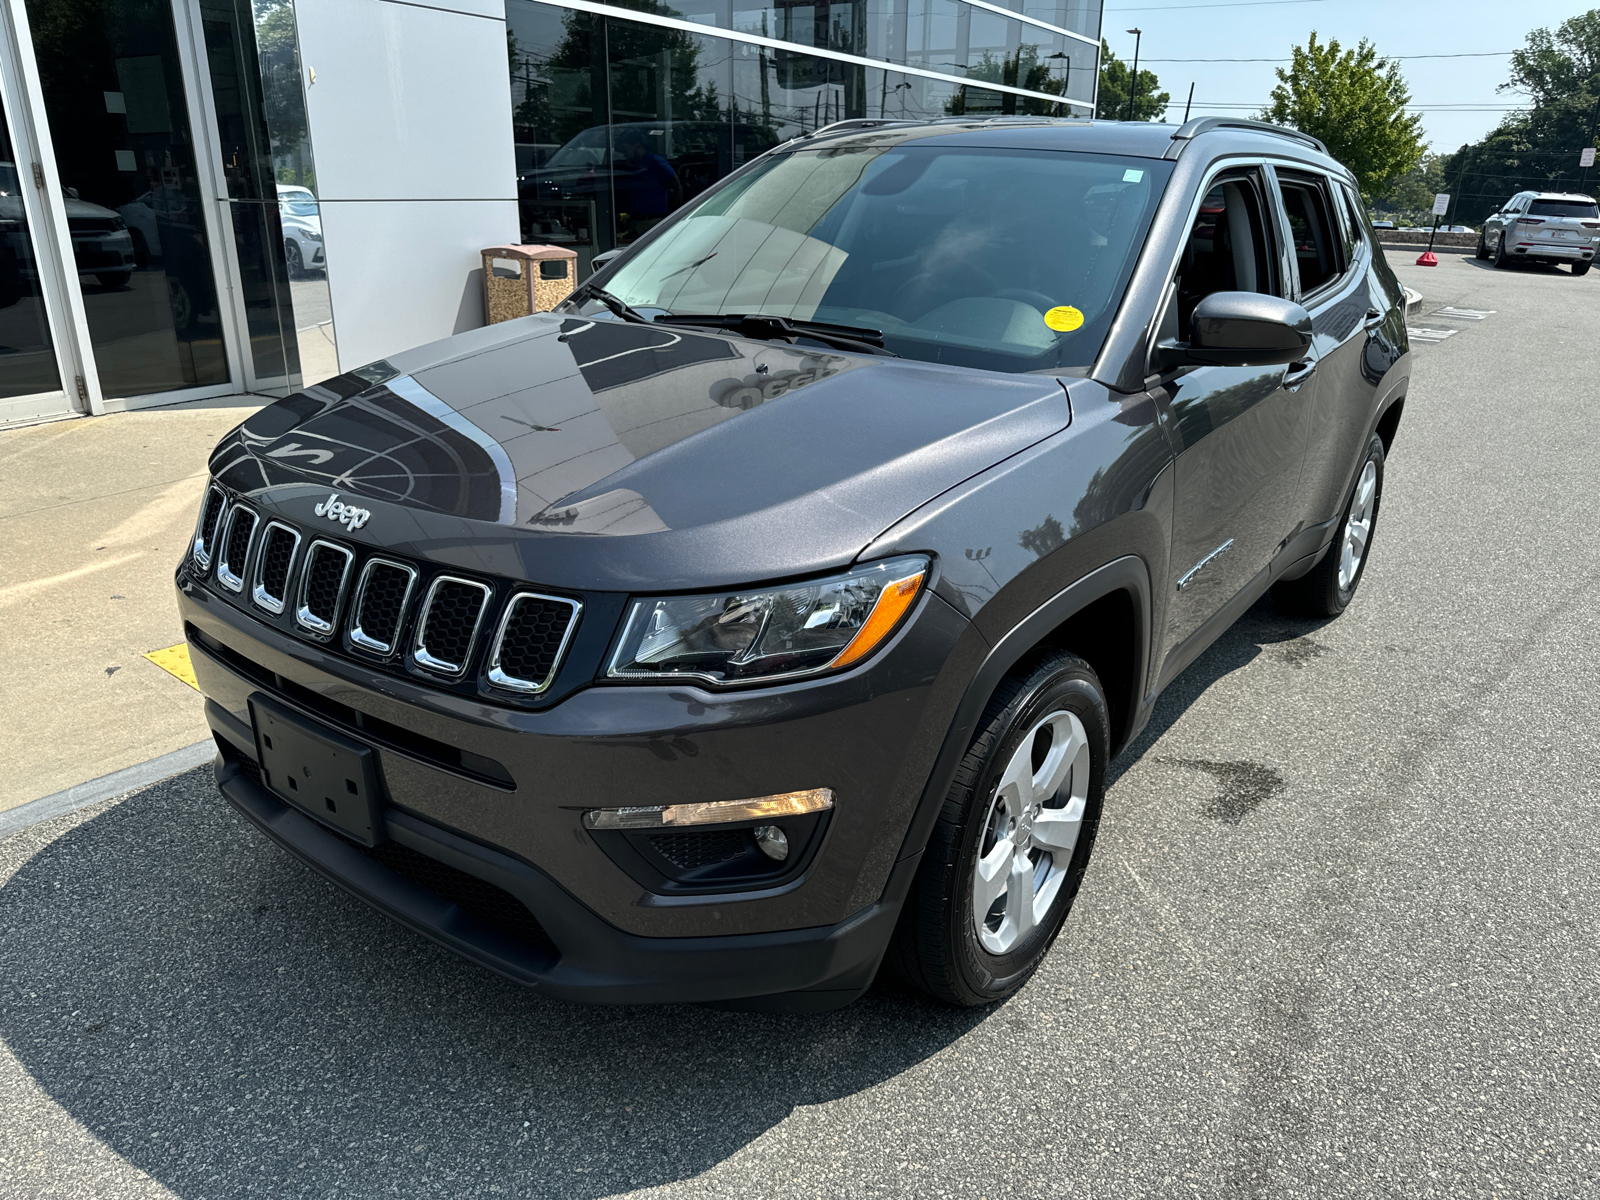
[(778, 329), (588, 291)]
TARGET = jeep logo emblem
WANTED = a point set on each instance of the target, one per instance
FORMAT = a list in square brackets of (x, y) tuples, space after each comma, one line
[(348, 515)]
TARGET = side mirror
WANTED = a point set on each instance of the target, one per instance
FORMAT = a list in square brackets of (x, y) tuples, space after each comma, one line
[(1240, 329)]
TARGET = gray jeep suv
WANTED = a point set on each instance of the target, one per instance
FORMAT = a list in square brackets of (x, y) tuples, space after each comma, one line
[(772, 610)]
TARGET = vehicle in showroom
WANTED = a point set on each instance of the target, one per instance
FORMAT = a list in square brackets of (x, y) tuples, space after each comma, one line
[(772, 610), (1543, 227)]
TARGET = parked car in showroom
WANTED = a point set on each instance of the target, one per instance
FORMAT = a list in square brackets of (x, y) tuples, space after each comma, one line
[(773, 610), (301, 219), (1544, 227)]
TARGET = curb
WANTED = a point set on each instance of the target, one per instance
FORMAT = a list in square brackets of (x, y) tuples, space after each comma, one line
[(115, 784), (1413, 302)]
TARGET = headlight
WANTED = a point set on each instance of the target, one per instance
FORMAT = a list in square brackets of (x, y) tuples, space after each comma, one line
[(760, 635), (311, 235)]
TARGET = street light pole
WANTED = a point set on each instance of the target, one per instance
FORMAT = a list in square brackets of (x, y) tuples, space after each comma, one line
[(1133, 81)]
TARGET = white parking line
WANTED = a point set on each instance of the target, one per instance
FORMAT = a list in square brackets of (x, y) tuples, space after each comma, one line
[(1451, 313), (1432, 335)]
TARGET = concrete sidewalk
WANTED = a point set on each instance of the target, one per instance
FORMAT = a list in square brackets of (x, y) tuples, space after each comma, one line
[(94, 514)]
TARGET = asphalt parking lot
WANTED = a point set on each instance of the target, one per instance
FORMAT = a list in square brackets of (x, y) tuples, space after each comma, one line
[(1338, 937)]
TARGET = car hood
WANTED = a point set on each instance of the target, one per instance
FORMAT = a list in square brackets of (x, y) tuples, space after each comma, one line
[(596, 454)]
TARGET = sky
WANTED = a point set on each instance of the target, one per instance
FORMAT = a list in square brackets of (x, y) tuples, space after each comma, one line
[(1456, 96)]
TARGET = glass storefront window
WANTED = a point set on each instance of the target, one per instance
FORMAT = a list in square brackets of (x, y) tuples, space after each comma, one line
[(27, 354), (118, 112)]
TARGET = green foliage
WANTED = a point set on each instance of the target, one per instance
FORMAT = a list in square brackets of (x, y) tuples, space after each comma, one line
[(1537, 149), (1115, 81), (1408, 200), (1356, 103), (1024, 69), (282, 97)]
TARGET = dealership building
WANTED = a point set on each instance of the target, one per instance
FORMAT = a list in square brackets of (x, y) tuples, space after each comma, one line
[(204, 197)]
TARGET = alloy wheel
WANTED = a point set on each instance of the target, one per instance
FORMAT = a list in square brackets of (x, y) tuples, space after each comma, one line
[(1358, 526), (1030, 832)]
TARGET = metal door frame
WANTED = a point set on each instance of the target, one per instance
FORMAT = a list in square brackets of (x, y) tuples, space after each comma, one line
[(47, 225)]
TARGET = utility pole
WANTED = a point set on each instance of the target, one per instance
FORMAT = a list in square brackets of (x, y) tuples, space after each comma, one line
[(1133, 80)]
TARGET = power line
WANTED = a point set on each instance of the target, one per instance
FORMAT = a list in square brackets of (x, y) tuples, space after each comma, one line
[(1387, 57)]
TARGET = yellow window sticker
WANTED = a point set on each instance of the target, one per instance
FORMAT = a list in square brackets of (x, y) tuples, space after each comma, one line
[(1063, 319)]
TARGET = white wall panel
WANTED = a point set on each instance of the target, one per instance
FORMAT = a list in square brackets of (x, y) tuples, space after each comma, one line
[(402, 273), (408, 103)]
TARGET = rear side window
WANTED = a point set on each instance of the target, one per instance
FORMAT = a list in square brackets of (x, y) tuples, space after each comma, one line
[(1564, 208), (1352, 222), (1316, 249), (1227, 250)]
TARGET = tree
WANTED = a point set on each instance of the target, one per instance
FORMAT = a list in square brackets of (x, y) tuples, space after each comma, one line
[(1410, 197), (1112, 102), (1536, 149), (1356, 103)]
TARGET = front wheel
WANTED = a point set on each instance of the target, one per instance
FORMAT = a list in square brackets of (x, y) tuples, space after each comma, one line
[(292, 256), (112, 280), (1013, 839), (1327, 589), (1500, 259)]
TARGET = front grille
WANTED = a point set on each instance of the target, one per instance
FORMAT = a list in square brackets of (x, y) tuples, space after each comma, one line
[(533, 633), (322, 583), (691, 851), (380, 605), (211, 509), (238, 532), (449, 625), (272, 567)]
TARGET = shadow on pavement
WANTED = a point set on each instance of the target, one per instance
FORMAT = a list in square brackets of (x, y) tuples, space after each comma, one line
[(1261, 627), (231, 1024)]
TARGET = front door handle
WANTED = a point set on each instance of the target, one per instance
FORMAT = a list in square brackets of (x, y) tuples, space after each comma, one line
[(1298, 373)]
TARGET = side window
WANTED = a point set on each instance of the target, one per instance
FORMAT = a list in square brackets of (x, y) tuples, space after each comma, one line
[(1227, 251), (1353, 233), (1316, 250)]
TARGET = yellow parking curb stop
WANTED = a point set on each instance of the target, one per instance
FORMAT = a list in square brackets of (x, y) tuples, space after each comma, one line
[(174, 660)]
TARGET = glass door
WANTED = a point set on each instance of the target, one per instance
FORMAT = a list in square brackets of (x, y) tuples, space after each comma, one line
[(112, 85)]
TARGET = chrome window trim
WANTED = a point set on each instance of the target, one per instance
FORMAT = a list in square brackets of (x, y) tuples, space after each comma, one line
[(226, 576), (199, 551), (258, 593), (419, 648), (356, 635), (528, 687), (303, 616)]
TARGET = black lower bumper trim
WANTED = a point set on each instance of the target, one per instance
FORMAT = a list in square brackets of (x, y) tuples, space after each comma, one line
[(587, 959)]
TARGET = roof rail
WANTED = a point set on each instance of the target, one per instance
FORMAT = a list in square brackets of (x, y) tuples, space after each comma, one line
[(857, 123), (1199, 125)]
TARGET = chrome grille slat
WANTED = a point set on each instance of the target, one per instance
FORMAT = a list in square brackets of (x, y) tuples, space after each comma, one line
[(274, 565), (377, 615), (205, 526), (446, 633), (324, 576), (235, 542), (531, 641)]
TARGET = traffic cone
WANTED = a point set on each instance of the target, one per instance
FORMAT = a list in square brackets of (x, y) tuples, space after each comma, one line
[(1427, 259)]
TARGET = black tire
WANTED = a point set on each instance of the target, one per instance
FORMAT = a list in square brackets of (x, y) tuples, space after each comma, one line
[(291, 254), (1482, 251), (112, 280), (1580, 268), (1500, 258), (1319, 593), (936, 947)]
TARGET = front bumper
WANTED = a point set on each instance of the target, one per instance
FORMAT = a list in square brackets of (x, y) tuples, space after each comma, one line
[(582, 958), (871, 735)]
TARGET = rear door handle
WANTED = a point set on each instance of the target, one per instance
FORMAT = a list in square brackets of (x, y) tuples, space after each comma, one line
[(1298, 374), (1374, 319)]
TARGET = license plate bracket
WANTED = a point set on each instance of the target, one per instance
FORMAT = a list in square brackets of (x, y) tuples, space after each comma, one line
[(324, 774)]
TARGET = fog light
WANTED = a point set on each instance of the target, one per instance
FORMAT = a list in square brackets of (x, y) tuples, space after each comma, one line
[(773, 841), (714, 812)]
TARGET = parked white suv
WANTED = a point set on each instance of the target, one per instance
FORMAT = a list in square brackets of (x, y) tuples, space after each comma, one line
[(1552, 227)]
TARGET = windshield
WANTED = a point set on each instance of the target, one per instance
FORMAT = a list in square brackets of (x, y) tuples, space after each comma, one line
[(1563, 208), (299, 203), (589, 149), (1011, 260)]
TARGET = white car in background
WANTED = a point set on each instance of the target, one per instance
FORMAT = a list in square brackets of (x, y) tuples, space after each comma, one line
[(302, 230)]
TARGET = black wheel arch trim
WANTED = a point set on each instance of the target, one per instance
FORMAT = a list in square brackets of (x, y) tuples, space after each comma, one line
[(1127, 574)]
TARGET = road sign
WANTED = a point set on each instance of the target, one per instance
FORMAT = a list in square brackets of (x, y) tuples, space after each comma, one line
[(1586, 159), (1441, 204)]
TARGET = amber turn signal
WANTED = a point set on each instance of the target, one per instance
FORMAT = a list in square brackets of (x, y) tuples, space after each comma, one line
[(892, 604)]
